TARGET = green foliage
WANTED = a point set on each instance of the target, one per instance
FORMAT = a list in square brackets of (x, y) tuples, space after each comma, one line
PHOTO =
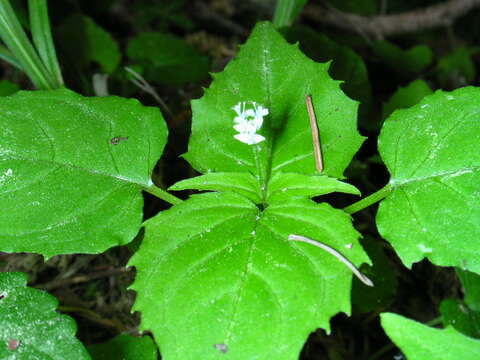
[(167, 59), (257, 294), (125, 347), (406, 96), (75, 167), (286, 11), (471, 288), (262, 78), (30, 328), (434, 206), (455, 68), (84, 41), (456, 314), (404, 62), (8, 88), (420, 342), (381, 274), (346, 65)]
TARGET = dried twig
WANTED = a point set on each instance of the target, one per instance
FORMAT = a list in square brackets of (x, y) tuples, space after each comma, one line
[(315, 136), (363, 278), (381, 26)]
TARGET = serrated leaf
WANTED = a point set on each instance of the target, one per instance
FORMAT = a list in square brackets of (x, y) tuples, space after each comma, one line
[(72, 170), (241, 183), (278, 76), (218, 278), (125, 347), (433, 156), (420, 342), (84, 41), (30, 328), (347, 65), (168, 59)]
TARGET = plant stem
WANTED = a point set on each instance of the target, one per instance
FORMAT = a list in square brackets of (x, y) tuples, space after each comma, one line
[(286, 11), (162, 194), (369, 200)]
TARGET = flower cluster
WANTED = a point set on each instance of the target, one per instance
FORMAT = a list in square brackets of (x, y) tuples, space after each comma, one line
[(248, 121)]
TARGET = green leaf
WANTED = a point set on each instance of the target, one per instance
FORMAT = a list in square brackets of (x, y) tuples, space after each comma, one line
[(405, 62), (456, 314), (420, 342), (282, 186), (30, 328), (256, 294), (125, 347), (84, 41), (406, 96), (278, 76), (241, 183), (8, 88), (471, 288), (72, 170), (456, 68), (42, 38), (433, 158), (346, 65), (286, 11), (167, 58), (382, 275)]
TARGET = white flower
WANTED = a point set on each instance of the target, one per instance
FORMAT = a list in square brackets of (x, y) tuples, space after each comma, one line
[(249, 121)]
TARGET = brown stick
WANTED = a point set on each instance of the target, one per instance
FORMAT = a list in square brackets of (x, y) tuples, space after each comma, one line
[(381, 26), (315, 136)]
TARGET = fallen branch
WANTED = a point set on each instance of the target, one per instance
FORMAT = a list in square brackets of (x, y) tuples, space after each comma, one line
[(381, 26)]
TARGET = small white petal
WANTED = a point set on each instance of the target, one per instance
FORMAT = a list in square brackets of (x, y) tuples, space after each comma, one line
[(249, 138)]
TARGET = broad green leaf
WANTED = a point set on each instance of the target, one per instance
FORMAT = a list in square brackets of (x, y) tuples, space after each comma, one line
[(218, 278), (241, 183), (433, 155), (30, 328), (406, 96), (125, 347), (167, 58), (404, 62), (463, 319), (72, 169), (471, 288), (420, 342), (278, 76), (84, 41)]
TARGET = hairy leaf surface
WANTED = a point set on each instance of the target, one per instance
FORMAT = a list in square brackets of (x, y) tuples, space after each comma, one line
[(72, 169), (419, 342), (30, 328), (433, 154)]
